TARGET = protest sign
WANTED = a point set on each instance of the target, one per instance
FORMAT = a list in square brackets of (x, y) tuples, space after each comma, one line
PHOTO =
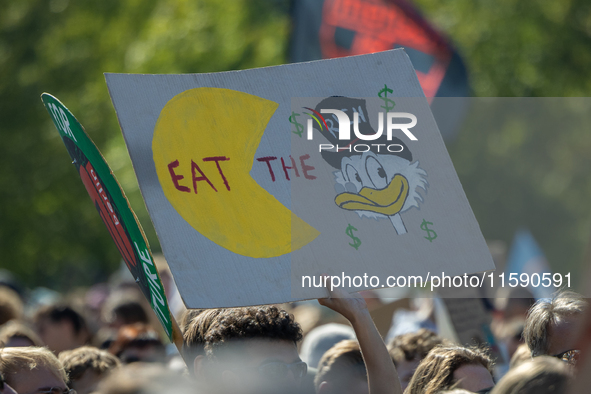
[(251, 209), (471, 321), (115, 211)]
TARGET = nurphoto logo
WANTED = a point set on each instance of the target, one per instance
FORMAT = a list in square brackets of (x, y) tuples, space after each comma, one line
[(344, 128)]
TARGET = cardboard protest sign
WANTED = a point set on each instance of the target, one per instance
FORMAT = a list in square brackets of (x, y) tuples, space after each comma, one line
[(113, 208), (249, 194), (471, 321)]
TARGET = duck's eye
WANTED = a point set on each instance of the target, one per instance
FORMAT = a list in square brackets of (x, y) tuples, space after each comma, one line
[(354, 179), (376, 173)]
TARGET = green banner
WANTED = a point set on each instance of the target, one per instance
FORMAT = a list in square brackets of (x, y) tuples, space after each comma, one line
[(113, 207)]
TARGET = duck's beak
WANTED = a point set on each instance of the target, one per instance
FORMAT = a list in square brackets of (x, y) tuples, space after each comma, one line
[(387, 201)]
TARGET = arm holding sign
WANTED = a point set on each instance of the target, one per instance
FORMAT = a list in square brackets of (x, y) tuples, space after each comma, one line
[(381, 373)]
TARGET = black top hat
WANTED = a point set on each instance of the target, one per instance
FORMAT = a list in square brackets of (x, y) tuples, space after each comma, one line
[(349, 106)]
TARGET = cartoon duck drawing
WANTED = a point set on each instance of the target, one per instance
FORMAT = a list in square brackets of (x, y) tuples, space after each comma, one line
[(375, 182)]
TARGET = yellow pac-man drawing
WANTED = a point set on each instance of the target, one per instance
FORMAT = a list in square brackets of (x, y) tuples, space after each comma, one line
[(204, 144)]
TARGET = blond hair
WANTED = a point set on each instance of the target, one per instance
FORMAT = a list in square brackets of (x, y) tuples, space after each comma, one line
[(436, 371), (547, 312), (14, 360), (521, 355), (542, 375)]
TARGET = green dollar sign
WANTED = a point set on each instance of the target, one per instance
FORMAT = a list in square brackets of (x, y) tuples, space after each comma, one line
[(356, 241), (299, 126), (387, 101), (425, 227)]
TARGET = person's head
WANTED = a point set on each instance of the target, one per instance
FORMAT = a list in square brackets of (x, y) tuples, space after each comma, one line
[(447, 367), (61, 327), (32, 369), (551, 324), (542, 375), (250, 349), (122, 309), (509, 332), (196, 322), (407, 351), (140, 378), (322, 338), (521, 355), (11, 306), (342, 370), (138, 342), (187, 319), (16, 334), (86, 367)]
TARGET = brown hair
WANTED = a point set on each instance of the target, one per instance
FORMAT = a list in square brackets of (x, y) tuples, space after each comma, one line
[(15, 359), (63, 312), (76, 362), (134, 333), (547, 312), (415, 345), (188, 317), (436, 371), (542, 375), (16, 329), (255, 322), (127, 309), (338, 363), (11, 306), (196, 324)]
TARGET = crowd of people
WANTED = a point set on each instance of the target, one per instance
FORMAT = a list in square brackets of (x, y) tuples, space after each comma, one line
[(107, 341)]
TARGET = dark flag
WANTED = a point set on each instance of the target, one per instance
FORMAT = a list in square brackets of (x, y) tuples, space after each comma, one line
[(325, 29)]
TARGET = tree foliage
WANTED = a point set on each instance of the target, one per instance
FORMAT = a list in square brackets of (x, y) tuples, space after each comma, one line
[(50, 233)]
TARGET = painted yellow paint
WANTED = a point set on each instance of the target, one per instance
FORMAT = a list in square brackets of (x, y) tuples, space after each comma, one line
[(212, 122)]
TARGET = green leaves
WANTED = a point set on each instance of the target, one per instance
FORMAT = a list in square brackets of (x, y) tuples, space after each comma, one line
[(518, 172), (51, 234)]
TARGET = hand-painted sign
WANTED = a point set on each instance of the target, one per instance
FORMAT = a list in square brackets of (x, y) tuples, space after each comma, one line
[(113, 208), (257, 178)]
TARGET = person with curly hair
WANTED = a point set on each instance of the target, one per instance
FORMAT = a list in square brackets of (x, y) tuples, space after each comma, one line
[(249, 349), (253, 349)]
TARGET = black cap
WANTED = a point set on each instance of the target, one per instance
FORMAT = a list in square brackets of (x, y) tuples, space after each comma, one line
[(349, 106)]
